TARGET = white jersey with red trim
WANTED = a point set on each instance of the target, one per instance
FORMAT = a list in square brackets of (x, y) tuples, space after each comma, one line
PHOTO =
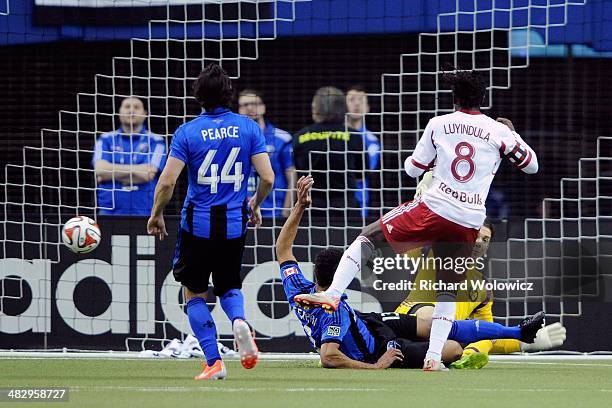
[(465, 149)]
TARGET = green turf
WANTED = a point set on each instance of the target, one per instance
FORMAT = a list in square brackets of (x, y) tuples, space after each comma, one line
[(134, 383)]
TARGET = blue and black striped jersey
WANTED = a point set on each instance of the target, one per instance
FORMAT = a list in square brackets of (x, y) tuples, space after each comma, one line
[(217, 147), (343, 326)]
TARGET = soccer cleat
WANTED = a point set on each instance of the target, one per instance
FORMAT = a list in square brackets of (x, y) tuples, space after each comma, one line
[(433, 365), (474, 361), (310, 300), (214, 372), (530, 326), (243, 336)]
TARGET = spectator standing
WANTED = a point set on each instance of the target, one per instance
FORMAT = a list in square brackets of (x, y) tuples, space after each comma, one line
[(279, 145), (127, 163), (333, 154), (358, 107)]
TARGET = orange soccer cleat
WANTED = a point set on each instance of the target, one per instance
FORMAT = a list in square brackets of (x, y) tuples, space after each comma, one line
[(243, 336), (310, 300), (214, 372)]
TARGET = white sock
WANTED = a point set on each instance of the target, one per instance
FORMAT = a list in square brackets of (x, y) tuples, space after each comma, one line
[(350, 265), (441, 323)]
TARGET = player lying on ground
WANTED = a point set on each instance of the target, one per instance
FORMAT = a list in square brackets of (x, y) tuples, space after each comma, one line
[(467, 148), (218, 148), (419, 303), (348, 339)]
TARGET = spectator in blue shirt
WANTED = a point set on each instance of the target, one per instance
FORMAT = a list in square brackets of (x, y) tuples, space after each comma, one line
[(279, 145), (357, 107), (127, 163)]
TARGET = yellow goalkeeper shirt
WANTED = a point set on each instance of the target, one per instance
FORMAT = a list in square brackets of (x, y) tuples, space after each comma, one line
[(478, 302), (479, 306)]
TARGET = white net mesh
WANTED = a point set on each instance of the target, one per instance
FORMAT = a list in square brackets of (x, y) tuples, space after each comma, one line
[(473, 36), (54, 180), (567, 248)]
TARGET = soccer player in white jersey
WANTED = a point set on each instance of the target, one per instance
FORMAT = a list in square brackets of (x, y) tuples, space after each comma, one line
[(465, 149)]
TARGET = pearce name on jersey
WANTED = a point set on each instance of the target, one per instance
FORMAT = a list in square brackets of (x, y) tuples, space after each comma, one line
[(465, 149), (221, 133)]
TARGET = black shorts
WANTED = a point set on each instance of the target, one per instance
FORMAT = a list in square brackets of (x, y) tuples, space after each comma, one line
[(196, 258), (398, 331)]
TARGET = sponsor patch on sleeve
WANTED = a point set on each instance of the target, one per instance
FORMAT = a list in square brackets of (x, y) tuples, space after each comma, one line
[(290, 271), (333, 331)]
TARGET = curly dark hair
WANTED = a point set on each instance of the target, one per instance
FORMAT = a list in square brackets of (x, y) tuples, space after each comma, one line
[(469, 88), (325, 266), (213, 88)]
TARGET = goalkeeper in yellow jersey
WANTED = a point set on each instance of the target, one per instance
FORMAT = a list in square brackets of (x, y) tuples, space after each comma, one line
[(479, 306)]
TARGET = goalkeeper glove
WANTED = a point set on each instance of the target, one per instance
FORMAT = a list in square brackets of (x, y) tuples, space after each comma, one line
[(424, 184), (547, 337)]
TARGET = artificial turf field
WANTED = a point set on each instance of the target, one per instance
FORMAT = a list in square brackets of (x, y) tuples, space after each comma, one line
[(292, 384)]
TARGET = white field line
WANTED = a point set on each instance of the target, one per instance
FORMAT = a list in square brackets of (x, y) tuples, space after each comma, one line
[(563, 363), (127, 355), (206, 388), (523, 358), (514, 390), (547, 359)]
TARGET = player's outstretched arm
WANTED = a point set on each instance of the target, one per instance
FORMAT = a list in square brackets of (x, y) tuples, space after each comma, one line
[(163, 194), (332, 357), (284, 243)]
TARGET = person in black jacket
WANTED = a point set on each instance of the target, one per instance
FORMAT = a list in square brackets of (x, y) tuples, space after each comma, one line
[(333, 154)]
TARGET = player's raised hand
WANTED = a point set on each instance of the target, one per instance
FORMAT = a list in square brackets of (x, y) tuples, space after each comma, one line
[(304, 185), (255, 213), (391, 356), (425, 183), (548, 337), (156, 226), (506, 122)]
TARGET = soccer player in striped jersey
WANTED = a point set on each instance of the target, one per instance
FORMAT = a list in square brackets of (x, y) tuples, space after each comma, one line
[(467, 148), (218, 148)]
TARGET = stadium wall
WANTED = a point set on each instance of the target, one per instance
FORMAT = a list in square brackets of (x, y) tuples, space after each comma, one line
[(110, 300), (27, 23)]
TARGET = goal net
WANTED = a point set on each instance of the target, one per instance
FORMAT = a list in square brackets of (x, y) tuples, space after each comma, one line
[(143, 304)]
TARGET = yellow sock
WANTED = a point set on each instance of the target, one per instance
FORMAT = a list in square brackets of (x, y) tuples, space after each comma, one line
[(506, 346), (482, 346)]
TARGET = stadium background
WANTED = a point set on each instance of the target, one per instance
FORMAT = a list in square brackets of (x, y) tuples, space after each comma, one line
[(560, 104)]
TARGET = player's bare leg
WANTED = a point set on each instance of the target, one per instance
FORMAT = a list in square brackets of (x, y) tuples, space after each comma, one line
[(349, 266)]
